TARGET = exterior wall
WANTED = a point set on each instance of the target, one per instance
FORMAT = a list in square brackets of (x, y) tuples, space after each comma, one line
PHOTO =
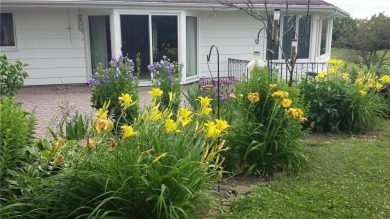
[(233, 33), (54, 54)]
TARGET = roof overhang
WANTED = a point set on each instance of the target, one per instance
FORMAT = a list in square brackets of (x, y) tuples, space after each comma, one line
[(182, 4)]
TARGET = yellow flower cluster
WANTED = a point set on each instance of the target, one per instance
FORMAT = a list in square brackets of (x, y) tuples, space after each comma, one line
[(215, 129), (102, 122), (385, 79), (369, 81), (205, 104), (296, 113), (280, 94), (184, 116)]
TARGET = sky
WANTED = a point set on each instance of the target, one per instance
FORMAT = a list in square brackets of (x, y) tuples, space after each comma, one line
[(363, 8)]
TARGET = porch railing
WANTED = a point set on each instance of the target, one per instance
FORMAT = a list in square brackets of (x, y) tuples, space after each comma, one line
[(237, 69)]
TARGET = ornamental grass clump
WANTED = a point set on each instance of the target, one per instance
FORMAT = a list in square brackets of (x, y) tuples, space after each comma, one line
[(266, 136), (340, 104), (158, 166), (109, 84), (166, 76)]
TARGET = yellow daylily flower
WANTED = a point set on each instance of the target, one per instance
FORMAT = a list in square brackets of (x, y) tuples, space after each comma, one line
[(277, 94), (155, 114), (273, 86), (155, 92), (58, 144), (345, 76), (103, 112), (205, 105), (385, 79), (170, 125), (286, 103), (221, 124), (378, 86), (212, 131), (172, 96), (363, 93), (127, 100), (254, 97), (128, 131)]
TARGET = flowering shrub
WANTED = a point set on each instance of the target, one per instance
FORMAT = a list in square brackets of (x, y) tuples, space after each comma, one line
[(166, 76), (266, 135), (109, 84), (339, 104), (157, 166)]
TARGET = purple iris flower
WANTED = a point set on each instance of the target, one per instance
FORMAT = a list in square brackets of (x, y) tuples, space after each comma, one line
[(109, 70), (131, 62), (121, 57), (105, 79), (170, 68), (113, 59), (96, 82), (91, 81), (151, 68), (116, 77)]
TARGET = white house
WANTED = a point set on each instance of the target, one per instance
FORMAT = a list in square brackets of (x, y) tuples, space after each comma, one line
[(64, 40)]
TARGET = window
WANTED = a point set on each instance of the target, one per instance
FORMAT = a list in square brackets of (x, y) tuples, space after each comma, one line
[(324, 32), (290, 26), (7, 30), (192, 36), (100, 41)]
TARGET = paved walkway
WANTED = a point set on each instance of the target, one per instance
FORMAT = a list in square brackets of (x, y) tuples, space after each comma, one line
[(47, 102)]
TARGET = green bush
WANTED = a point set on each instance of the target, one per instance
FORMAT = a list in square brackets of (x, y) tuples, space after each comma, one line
[(76, 128), (16, 133), (266, 137), (11, 77), (109, 84), (166, 76), (339, 104)]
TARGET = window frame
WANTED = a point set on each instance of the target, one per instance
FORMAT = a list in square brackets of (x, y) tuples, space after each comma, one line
[(15, 47)]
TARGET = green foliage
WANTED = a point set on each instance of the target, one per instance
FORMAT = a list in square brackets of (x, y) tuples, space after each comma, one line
[(167, 77), (338, 104), (11, 77), (76, 128), (266, 135), (16, 133), (109, 84)]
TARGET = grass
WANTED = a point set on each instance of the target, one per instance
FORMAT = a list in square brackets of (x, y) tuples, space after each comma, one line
[(347, 177)]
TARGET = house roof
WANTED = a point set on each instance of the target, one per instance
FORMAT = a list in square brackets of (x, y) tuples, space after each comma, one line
[(299, 4)]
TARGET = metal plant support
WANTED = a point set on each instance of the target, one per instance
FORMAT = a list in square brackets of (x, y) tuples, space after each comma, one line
[(218, 92)]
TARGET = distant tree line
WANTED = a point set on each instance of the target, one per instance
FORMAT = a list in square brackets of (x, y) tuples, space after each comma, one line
[(369, 38)]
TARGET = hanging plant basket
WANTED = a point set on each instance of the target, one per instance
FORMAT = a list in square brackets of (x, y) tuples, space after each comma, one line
[(207, 87)]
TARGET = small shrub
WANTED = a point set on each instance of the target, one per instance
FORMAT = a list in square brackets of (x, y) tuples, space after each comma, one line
[(266, 137), (166, 76), (109, 84), (11, 77), (339, 104)]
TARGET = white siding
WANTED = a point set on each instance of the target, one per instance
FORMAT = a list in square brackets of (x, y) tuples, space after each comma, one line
[(234, 35), (54, 53)]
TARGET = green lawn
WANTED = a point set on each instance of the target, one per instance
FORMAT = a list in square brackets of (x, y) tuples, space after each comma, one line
[(346, 177)]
